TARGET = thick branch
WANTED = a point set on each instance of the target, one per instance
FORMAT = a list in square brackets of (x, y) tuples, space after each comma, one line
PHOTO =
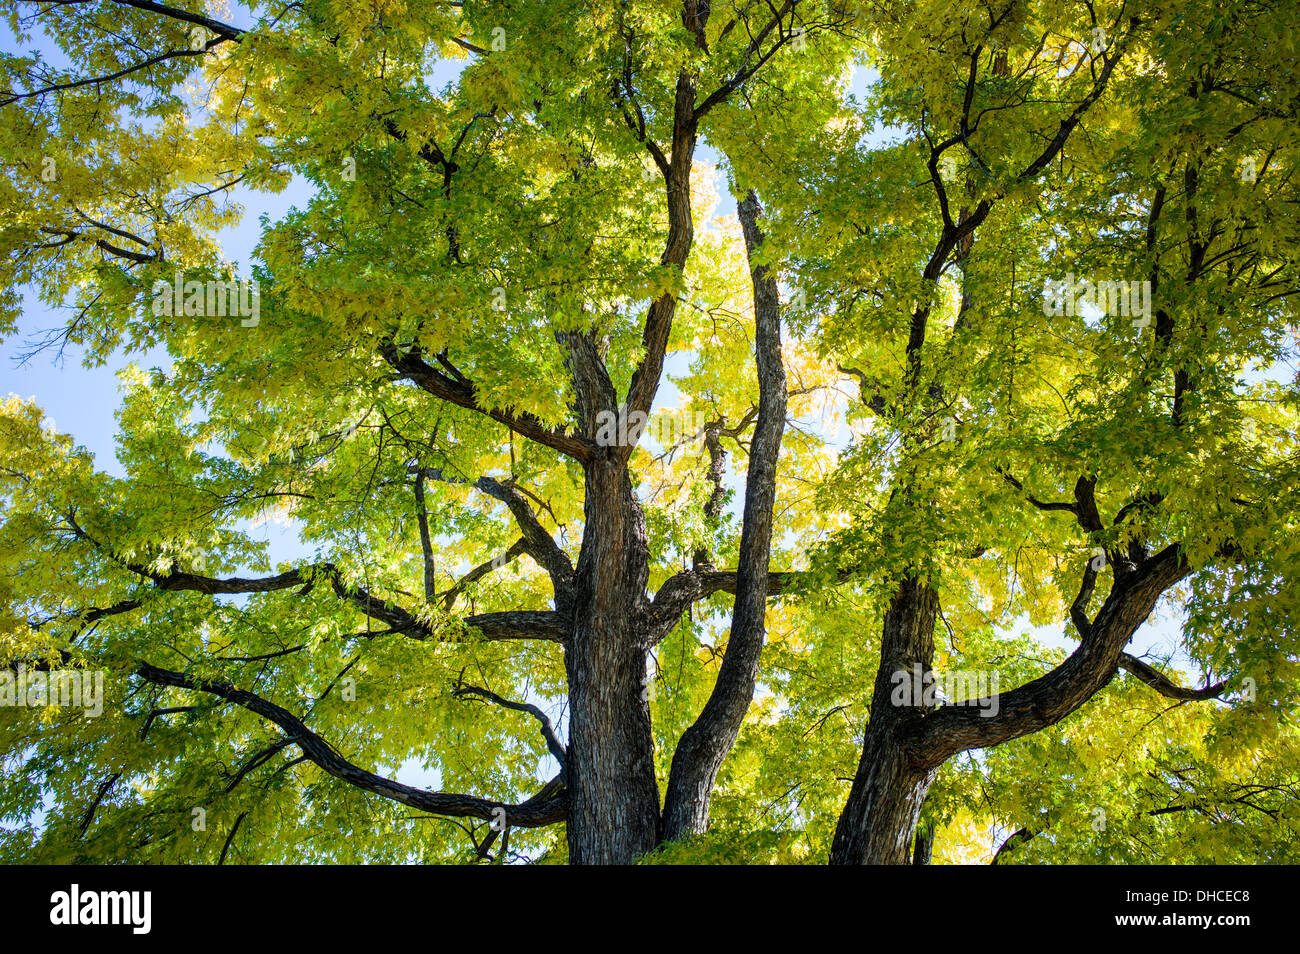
[(1166, 686), (681, 235), (951, 729), (514, 624), (224, 30), (706, 743), (1017, 839), (320, 752), (690, 586)]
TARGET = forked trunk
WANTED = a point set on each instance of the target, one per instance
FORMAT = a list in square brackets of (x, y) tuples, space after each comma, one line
[(879, 819)]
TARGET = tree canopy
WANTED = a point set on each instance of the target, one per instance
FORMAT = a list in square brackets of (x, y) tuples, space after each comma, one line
[(644, 398)]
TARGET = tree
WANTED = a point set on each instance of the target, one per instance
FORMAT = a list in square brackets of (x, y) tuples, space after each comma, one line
[(450, 384)]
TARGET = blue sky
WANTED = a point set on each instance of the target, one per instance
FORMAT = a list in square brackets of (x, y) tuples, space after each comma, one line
[(82, 401)]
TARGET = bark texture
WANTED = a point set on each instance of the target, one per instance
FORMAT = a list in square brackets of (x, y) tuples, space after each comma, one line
[(613, 795), (706, 743), (880, 817), (614, 814), (906, 745)]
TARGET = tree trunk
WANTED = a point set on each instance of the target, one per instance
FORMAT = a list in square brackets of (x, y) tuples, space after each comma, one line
[(613, 795), (889, 788), (879, 820), (705, 744)]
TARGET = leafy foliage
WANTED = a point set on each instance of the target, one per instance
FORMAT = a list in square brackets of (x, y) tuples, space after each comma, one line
[(483, 223)]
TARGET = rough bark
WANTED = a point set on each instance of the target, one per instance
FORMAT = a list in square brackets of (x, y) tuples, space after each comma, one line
[(613, 795), (906, 745), (880, 816), (1050, 698), (706, 743)]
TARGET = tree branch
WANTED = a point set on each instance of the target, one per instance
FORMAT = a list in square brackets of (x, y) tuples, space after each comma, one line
[(316, 749), (461, 392), (462, 690), (513, 624), (1166, 686), (951, 729), (540, 545), (705, 744), (480, 571)]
